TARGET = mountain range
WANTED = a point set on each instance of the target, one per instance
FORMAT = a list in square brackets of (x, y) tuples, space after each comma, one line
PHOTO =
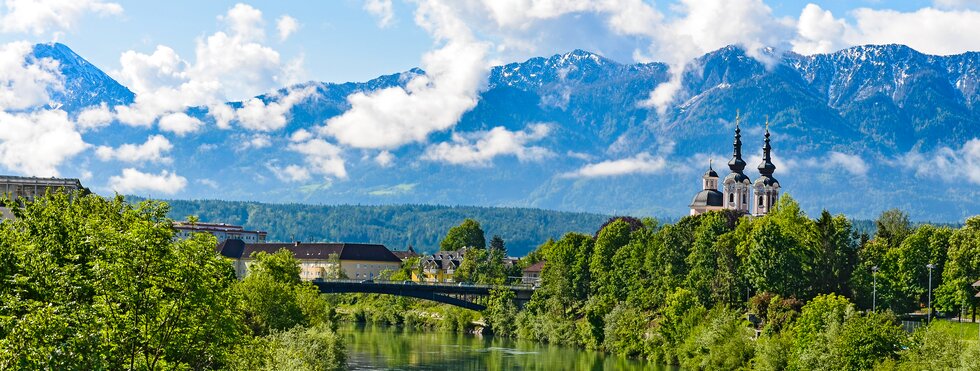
[(856, 131)]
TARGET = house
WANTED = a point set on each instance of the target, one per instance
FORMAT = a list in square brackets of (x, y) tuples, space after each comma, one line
[(318, 260), (532, 274), (28, 188), (439, 267), (221, 231), (407, 254)]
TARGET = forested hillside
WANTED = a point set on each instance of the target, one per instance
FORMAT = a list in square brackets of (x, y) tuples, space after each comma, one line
[(396, 226)]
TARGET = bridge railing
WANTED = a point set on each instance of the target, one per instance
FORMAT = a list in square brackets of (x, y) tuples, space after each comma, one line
[(433, 284)]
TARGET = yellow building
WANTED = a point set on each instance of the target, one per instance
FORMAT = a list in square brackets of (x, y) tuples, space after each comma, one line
[(318, 260), (439, 267)]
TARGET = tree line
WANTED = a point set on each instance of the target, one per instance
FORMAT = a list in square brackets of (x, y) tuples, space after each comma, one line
[(679, 293), (94, 283)]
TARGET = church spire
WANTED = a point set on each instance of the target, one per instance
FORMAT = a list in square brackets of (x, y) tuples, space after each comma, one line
[(766, 168), (736, 163)]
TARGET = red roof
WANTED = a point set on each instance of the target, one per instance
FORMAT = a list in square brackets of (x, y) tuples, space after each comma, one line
[(536, 267)]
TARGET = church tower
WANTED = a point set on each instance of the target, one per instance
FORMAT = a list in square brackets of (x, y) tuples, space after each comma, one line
[(737, 185), (709, 199), (766, 187)]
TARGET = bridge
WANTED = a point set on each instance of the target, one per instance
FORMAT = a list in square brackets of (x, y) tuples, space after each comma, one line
[(461, 295)]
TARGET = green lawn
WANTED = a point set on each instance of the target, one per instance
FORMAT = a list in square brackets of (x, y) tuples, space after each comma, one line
[(962, 330)]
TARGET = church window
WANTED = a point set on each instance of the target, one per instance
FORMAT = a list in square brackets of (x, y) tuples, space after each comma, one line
[(731, 197), (760, 200)]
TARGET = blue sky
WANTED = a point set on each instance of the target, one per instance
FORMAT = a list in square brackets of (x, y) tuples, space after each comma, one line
[(339, 40)]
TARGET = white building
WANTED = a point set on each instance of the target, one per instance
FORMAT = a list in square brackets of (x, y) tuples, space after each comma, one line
[(221, 231), (738, 188)]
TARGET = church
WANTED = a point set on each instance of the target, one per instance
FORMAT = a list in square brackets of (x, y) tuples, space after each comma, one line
[(737, 189)]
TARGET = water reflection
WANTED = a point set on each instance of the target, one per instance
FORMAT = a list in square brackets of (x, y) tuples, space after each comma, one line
[(372, 347)]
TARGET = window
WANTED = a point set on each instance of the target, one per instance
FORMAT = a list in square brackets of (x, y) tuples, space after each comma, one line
[(760, 200), (731, 197)]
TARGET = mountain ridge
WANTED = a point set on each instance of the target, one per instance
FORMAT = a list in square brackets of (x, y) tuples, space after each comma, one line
[(879, 104)]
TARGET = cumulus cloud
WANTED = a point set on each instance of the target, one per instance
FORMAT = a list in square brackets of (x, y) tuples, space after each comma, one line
[(132, 181), (853, 164), (957, 4), (180, 123), (321, 158), (41, 16), (286, 26), (291, 173), (929, 30), (435, 101), (25, 80), (94, 117), (643, 163), (153, 150), (256, 114), (257, 141), (381, 9), (231, 64), (480, 148), (36, 143), (949, 164), (384, 159)]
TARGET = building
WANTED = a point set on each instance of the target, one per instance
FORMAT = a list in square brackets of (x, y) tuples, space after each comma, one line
[(439, 267), (318, 260), (407, 254), (737, 187), (29, 188), (532, 274), (221, 231)]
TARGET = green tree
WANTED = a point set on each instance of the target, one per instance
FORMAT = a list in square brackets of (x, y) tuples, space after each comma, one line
[(467, 234), (836, 254), (94, 283), (962, 269), (703, 260), (497, 242), (893, 226), (501, 313), (773, 264)]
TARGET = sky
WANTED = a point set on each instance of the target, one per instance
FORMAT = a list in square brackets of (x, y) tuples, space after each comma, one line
[(180, 54), (339, 40)]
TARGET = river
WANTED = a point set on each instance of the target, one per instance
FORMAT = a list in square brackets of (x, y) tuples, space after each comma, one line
[(374, 347)]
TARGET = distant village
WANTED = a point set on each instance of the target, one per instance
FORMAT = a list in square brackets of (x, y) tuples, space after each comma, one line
[(318, 260)]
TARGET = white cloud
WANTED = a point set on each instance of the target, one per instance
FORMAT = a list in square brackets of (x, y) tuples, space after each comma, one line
[(480, 148), (381, 9), (94, 117), (257, 141), (384, 159), (258, 115), (153, 150), (643, 163), (853, 164), (222, 115), (396, 116), (25, 80), (286, 26), (132, 181), (231, 64), (180, 123), (949, 164), (208, 182), (291, 173), (41, 16), (321, 158), (36, 143), (300, 135), (928, 30)]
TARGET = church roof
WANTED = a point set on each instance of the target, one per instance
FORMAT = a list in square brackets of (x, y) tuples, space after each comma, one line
[(767, 181), (710, 173), (708, 197), (737, 178)]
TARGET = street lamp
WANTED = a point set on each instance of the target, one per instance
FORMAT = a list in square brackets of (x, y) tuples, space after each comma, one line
[(929, 316), (874, 289)]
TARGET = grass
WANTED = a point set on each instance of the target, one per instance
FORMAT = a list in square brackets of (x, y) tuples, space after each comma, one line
[(962, 330)]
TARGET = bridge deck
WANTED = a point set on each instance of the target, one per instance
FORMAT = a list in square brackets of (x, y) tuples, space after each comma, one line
[(461, 295)]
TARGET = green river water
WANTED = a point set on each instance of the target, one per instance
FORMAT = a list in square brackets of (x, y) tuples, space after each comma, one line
[(372, 347)]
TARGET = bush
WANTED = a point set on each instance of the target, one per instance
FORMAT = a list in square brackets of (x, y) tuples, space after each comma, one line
[(723, 341)]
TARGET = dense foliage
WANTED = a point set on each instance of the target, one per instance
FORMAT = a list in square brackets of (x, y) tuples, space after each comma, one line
[(395, 226), (679, 293), (94, 283)]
